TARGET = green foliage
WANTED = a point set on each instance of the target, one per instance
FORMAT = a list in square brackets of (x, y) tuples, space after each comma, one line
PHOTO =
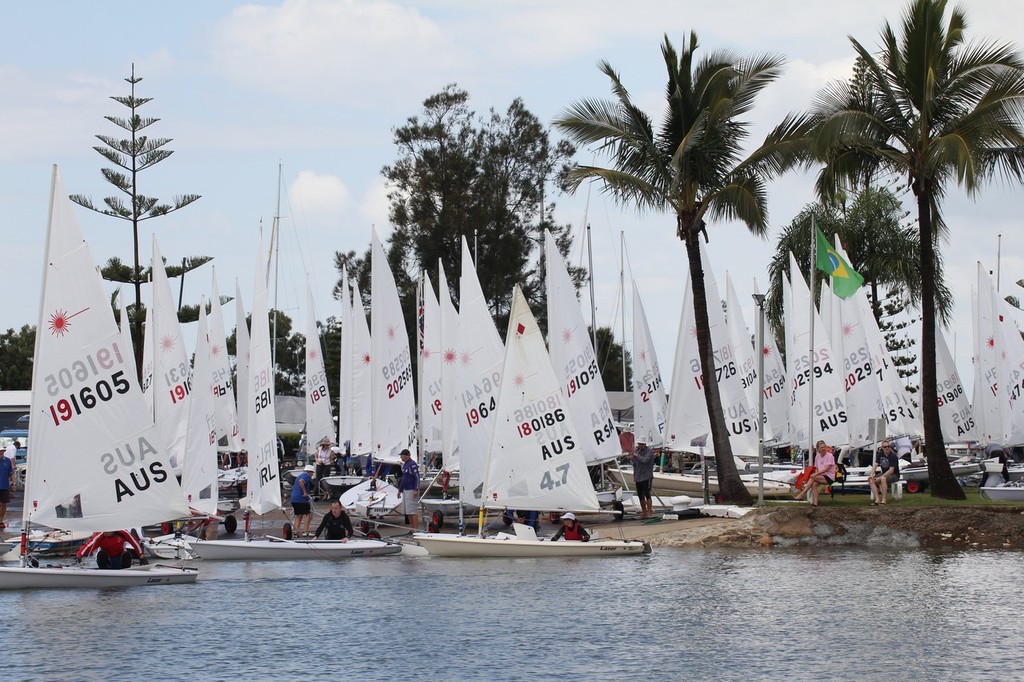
[(17, 349), (484, 179), (609, 361)]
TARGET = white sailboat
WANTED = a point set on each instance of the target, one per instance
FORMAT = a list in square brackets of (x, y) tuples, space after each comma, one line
[(98, 463), (223, 393), (989, 412), (650, 406), (172, 373), (429, 368), (319, 421), (264, 485), (955, 414), (449, 372), (362, 409), (846, 333), (199, 471), (572, 356), (776, 395), (535, 460), (393, 417)]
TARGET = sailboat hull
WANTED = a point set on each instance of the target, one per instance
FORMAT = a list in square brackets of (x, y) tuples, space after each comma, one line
[(693, 484), (18, 578), (291, 550), (464, 546)]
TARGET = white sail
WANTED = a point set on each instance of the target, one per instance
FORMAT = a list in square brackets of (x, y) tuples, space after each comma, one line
[(199, 472), (818, 364), (361, 436), (572, 355), (125, 328), (220, 365), (263, 478), (480, 357), (649, 404), (776, 395), (1011, 368), (242, 368), (688, 423), (98, 462), (394, 407), (955, 415), (536, 461), (319, 421), (172, 373), (987, 402), (429, 315), (449, 372), (345, 363), (743, 347), (147, 360), (894, 403), (846, 332)]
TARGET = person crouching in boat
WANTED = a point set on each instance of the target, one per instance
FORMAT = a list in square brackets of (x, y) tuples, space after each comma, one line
[(115, 549), (336, 523), (571, 529)]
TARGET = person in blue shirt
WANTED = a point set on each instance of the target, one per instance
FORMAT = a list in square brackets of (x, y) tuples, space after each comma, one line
[(6, 479), (300, 500), (409, 490)]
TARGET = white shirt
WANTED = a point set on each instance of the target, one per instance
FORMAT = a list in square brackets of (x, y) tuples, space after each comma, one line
[(11, 452)]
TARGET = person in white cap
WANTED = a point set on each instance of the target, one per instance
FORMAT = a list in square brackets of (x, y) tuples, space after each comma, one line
[(300, 500), (571, 529)]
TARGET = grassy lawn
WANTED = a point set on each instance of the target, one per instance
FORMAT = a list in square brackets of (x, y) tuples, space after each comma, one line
[(852, 499)]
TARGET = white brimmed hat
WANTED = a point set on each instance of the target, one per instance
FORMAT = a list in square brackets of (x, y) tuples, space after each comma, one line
[(568, 515), (310, 468)]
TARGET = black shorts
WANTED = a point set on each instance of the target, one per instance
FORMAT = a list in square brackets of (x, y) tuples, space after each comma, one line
[(5, 495), (300, 508), (828, 481), (643, 489)]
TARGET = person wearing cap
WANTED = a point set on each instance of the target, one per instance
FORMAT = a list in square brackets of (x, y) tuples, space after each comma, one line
[(11, 453), (571, 529), (300, 500), (7, 469), (409, 490), (324, 459), (885, 468), (643, 477)]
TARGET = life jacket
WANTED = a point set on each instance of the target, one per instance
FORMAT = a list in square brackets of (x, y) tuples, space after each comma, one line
[(804, 476), (572, 532)]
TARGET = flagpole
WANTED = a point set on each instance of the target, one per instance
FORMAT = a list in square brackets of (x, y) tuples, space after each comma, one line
[(810, 350)]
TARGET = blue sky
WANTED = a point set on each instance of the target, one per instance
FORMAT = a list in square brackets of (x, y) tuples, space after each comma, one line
[(319, 85)]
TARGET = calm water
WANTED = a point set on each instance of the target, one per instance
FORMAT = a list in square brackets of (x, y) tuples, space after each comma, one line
[(678, 614)]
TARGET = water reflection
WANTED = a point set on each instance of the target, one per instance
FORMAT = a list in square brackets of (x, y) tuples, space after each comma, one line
[(677, 614)]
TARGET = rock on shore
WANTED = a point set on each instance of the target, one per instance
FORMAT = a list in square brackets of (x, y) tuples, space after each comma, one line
[(966, 527)]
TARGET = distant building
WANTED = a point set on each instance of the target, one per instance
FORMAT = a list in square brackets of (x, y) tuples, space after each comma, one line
[(13, 404)]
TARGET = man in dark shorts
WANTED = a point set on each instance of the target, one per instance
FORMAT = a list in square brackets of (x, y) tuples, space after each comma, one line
[(6, 479), (643, 477), (300, 500)]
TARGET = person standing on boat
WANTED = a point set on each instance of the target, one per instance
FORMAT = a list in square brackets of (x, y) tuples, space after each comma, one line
[(409, 490), (300, 499), (11, 455), (336, 523), (884, 469), (7, 470), (571, 529), (114, 547), (643, 477), (324, 460), (824, 472)]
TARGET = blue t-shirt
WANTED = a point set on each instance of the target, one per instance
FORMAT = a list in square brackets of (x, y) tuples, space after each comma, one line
[(6, 467), (297, 495), (410, 476)]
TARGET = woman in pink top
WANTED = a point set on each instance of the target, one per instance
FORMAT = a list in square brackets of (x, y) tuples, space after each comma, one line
[(824, 472)]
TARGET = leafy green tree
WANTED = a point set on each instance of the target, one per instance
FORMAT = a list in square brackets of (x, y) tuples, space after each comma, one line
[(610, 361), (17, 349), (130, 156), (937, 110), (693, 168), (483, 178)]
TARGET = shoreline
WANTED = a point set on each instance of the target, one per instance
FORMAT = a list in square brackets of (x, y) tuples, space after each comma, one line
[(928, 527)]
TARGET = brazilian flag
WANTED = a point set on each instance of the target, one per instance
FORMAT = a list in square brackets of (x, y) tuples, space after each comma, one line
[(845, 280)]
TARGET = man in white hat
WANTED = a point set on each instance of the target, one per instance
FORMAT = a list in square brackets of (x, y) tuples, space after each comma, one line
[(300, 500)]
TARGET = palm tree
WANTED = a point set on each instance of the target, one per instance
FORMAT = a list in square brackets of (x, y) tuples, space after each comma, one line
[(692, 167), (939, 110)]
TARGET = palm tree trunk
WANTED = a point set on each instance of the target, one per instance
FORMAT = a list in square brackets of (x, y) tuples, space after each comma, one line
[(730, 486), (940, 476)]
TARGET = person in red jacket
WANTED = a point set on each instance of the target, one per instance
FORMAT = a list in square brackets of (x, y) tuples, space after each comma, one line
[(115, 549), (571, 529)]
